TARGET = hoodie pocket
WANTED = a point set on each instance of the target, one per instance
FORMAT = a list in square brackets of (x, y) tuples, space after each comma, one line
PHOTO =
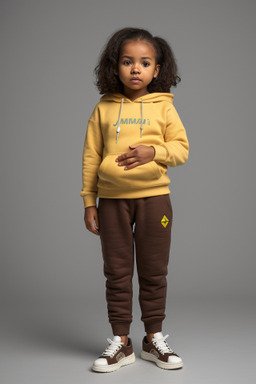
[(110, 173)]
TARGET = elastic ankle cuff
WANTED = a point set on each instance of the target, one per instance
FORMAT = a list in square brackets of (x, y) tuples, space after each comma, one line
[(153, 327), (120, 329)]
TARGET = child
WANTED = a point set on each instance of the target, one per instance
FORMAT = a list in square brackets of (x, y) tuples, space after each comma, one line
[(133, 134)]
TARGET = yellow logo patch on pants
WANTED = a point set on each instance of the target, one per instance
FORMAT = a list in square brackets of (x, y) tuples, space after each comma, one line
[(164, 221)]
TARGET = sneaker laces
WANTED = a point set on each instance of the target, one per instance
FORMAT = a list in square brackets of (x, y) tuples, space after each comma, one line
[(162, 345), (112, 348)]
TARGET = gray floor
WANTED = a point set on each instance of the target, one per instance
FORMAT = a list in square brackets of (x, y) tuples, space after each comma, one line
[(57, 342)]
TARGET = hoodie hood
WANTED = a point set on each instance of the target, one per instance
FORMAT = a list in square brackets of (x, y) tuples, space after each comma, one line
[(154, 97)]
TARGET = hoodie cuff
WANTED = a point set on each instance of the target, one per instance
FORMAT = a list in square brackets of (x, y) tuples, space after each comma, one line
[(160, 153), (89, 200)]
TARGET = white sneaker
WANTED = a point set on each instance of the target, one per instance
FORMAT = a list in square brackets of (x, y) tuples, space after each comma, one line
[(159, 352), (115, 356)]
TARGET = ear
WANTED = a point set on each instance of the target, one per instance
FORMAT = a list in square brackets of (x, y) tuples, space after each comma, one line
[(156, 72), (116, 72)]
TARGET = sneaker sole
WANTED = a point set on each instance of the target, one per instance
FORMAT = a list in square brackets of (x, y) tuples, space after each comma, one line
[(114, 367), (161, 364)]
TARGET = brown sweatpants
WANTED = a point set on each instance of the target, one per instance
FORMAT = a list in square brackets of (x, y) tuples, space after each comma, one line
[(145, 222)]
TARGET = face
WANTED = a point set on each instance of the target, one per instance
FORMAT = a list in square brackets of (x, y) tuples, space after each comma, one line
[(137, 67)]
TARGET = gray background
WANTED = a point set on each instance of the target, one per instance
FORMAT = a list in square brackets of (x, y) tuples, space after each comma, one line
[(53, 318)]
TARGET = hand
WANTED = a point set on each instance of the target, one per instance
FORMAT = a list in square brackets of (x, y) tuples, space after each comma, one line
[(91, 220), (139, 154)]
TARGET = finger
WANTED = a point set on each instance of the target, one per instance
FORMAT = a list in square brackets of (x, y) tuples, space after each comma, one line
[(121, 157), (93, 230), (96, 222), (133, 165), (124, 156), (90, 225), (128, 161), (96, 232)]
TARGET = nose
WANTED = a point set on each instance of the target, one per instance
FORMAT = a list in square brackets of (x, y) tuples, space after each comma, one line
[(135, 69)]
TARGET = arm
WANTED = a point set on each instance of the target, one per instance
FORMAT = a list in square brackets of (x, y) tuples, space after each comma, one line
[(92, 156), (174, 151)]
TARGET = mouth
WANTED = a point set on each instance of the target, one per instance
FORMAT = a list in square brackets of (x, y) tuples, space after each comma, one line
[(135, 80)]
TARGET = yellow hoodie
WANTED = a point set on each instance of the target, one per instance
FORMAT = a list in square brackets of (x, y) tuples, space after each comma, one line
[(115, 124)]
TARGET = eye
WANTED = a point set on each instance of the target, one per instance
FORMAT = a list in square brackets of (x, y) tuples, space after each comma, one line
[(146, 64), (126, 62)]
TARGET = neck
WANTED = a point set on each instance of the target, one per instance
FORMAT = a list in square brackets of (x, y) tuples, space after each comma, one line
[(133, 95)]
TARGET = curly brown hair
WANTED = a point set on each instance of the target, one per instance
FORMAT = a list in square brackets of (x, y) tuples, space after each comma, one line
[(108, 82)]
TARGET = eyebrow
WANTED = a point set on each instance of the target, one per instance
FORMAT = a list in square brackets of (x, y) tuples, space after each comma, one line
[(131, 57)]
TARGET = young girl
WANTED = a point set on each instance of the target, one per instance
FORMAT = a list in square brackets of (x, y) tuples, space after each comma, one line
[(133, 134)]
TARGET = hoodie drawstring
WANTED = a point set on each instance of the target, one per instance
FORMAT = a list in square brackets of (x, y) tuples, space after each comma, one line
[(119, 119), (141, 126), (118, 122)]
